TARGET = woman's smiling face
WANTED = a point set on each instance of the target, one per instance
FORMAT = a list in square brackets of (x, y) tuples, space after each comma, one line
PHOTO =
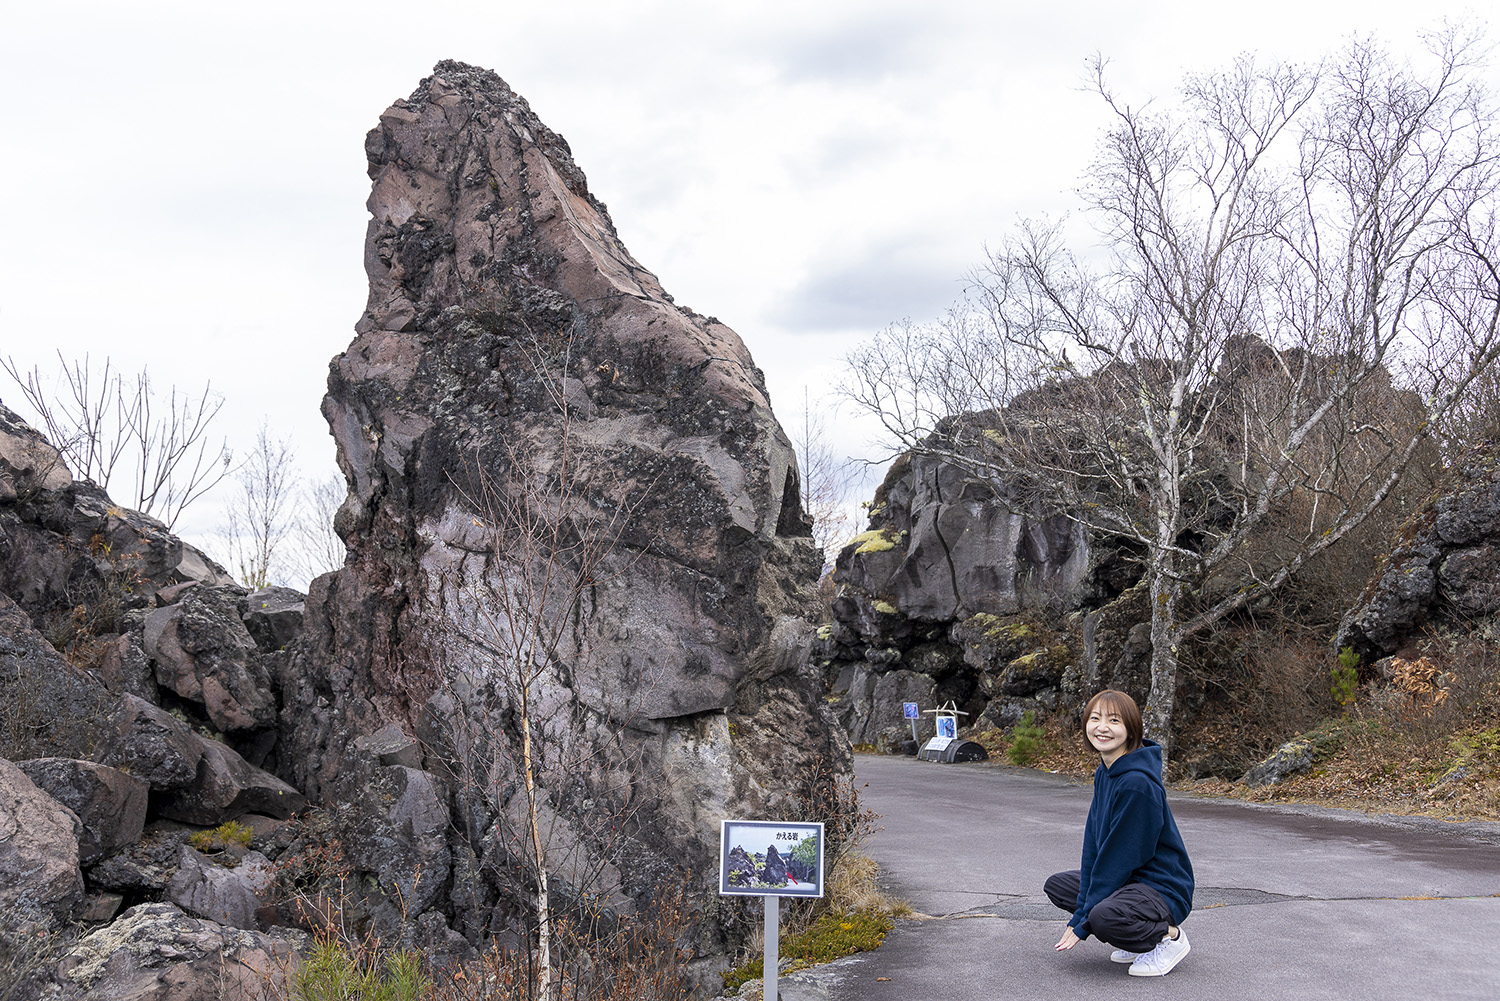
[(1106, 732)]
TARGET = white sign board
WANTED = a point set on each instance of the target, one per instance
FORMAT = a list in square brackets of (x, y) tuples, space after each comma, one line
[(770, 858)]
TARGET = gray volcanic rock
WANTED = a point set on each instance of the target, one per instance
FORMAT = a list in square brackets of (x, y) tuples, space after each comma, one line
[(64, 544), (202, 651), (145, 867), (273, 615), (228, 896), (154, 952), (38, 850), (401, 819), (950, 547), (227, 786), (151, 744), (1443, 566), (871, 709), (48, 708), (109, 804), (28, 462), (513, 356), (949, 584)]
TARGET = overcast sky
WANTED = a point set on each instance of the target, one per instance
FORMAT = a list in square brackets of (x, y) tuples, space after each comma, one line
[(186, 181)]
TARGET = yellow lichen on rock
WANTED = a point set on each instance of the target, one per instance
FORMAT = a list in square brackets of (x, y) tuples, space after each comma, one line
[(877, 541)]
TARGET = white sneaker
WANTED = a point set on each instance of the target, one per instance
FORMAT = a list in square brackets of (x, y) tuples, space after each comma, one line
[(1121, 956), (1163, 959)]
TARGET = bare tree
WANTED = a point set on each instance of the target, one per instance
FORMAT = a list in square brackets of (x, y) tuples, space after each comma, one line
[(1299, 278), (98, 419), (318, 548), (828, 482), (261, 516)]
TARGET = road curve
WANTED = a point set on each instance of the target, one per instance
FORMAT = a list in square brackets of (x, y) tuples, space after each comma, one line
[(1292, 903)]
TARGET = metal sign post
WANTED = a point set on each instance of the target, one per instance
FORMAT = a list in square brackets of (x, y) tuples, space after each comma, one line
[(791, 865), (909, 710), (768, 989)]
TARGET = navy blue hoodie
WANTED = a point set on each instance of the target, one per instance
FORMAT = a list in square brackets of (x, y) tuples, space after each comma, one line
[(1130, 837)]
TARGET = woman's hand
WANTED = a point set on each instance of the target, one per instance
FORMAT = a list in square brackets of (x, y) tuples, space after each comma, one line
[(1069, 939)]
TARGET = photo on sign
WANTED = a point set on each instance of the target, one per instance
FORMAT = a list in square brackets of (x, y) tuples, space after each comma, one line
[(947, 726), (770, 858)]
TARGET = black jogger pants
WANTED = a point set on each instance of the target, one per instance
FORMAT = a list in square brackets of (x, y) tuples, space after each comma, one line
[(1134, 918)]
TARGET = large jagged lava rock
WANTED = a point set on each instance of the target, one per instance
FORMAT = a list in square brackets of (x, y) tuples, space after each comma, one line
[(1444, 567), (512, 347)]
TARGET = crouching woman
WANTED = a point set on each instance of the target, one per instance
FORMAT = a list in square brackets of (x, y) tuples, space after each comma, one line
[(1135, 886)]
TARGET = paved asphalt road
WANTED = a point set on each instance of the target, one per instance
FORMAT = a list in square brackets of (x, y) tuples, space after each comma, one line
[(1291, 903)]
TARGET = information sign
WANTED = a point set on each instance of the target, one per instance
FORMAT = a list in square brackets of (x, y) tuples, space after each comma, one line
[(909, 711), (768, 858), (947, 726)]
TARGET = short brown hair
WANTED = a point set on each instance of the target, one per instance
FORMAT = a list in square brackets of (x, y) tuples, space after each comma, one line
[(1123, 706)]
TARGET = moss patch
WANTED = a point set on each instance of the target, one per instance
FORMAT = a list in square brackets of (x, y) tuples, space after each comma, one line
[(878, 541), (833, 936)]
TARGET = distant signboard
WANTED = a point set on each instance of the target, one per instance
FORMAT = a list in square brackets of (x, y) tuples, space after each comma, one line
[(947, 726), (909, 711), (769, 858)]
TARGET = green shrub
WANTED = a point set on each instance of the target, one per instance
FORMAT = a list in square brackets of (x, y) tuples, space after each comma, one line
[(1026, 741), (331, 973), (218, 838), (1345, 676)]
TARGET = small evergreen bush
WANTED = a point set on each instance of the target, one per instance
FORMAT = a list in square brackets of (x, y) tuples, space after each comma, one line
[(1345, 676), (1026, 741)]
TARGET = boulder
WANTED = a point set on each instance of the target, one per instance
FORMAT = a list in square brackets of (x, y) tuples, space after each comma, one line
[(142, 869), (402, 820), (774, 871), (28, 462), (126, 667), (110, 804), (392, 746), (1291, 758), (230, 896), (874, 703), (73, 547), (273, 615), (38, 850), (201, 650), (1296, 755), (149, 743), (945, 545), (155, 952), (741, 867), (225, 787)]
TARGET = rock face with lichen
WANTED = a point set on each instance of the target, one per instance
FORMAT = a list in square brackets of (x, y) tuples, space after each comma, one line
[(524, 402), (956, 595), (1444, 567)]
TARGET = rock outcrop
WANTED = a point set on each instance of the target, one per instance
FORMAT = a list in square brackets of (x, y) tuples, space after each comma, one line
[(956, 594), (524, 401), (1444, 567)]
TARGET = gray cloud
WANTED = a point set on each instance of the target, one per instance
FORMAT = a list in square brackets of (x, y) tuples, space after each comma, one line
[(880, 286), (862, 50)]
